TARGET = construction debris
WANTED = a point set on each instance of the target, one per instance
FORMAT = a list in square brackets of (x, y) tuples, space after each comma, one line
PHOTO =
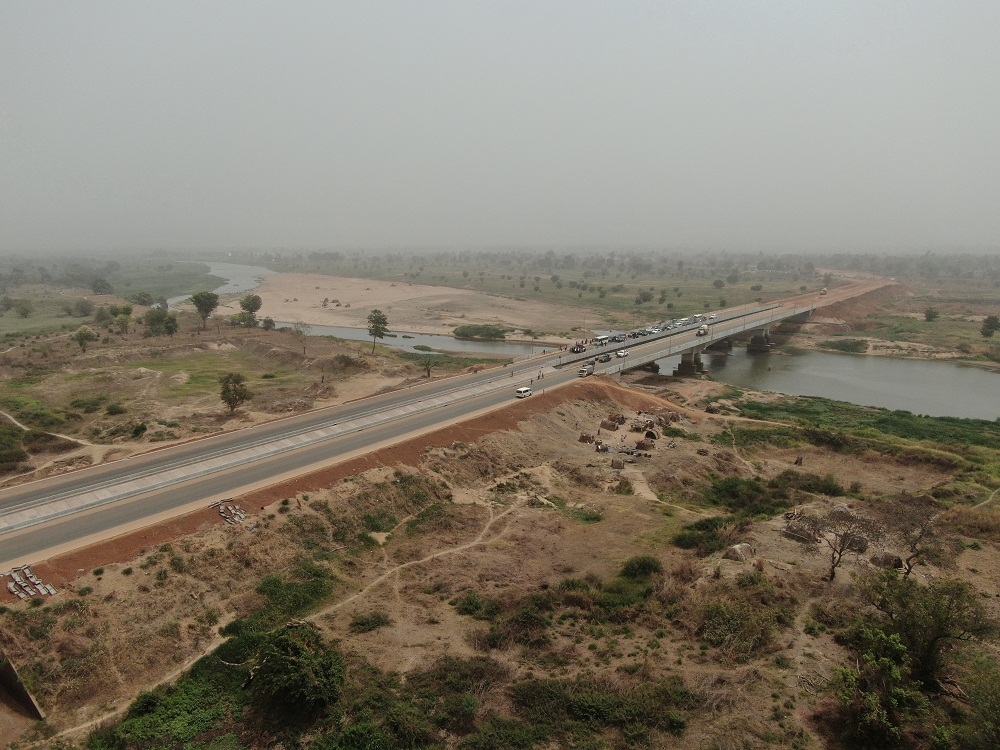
[(26, 584)]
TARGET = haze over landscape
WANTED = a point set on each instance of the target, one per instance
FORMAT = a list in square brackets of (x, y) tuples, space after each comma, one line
[(784, 126), (498, 375)]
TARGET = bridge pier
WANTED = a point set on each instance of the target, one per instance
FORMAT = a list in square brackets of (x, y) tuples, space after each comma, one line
[(760, 341), (690, 364)]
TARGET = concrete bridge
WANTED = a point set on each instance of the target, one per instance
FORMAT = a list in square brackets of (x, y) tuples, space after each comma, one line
[(690, 346), (753, 321)]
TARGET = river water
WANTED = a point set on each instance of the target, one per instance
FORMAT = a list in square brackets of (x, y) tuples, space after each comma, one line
[(407, 341), (940, 389), (239, 278)]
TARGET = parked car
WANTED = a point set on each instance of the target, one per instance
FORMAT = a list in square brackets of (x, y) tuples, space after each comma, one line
[(578, 349), (621, 353)]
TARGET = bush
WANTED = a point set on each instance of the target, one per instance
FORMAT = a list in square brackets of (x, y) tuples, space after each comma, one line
[(481, 332), (114, 409), (641, 567), (369, 622), (624, 487), (297, 671), (89, 404), (472, 605)]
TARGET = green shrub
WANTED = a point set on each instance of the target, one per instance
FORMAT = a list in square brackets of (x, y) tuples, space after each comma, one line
[(642, 566), (703, 535), (472, 605), (381, 521), (852, 346), (89, 404), (481, 332), (369, 622), (624, 487)]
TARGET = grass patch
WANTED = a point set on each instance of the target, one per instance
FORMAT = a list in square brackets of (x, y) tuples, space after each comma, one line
[(850, 346), (447, 361), (481, 332), (840, 416)]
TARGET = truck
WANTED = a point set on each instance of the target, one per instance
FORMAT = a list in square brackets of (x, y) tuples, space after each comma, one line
[(586, 369), (702, 331)]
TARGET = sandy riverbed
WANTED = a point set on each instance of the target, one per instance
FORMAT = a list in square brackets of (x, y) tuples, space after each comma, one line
[(416, 308)]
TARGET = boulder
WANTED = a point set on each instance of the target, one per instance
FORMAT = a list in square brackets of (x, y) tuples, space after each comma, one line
[(800, 532), (740, 552), (887, 560), (857, 543)]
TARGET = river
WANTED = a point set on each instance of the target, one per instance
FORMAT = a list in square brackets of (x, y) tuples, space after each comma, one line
[(934, 388)]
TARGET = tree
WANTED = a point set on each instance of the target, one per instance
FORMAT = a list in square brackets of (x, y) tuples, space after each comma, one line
[(170, 325), (101, 286), (718, 283), (991, 325), (378, 325), (301, 330), (931, 314), (842, 531), (159, 321), (122, 322), (267, 324), (429, 361), (928, 619), (234, 390), (83, 336), (877, 695), (250, 305), (205, 303), (915, 522), (297, 671), (82, 308), (24, 308), (103, 316)]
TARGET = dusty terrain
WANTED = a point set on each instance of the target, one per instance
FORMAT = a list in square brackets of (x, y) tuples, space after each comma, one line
[(417, 308), (505, 518)]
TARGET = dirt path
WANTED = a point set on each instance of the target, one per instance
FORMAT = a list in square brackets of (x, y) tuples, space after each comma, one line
[(393, 573), (988, 500), (480, 539), (642, 489)]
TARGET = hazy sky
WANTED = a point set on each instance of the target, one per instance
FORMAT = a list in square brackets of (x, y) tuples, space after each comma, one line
[(710, 124)]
